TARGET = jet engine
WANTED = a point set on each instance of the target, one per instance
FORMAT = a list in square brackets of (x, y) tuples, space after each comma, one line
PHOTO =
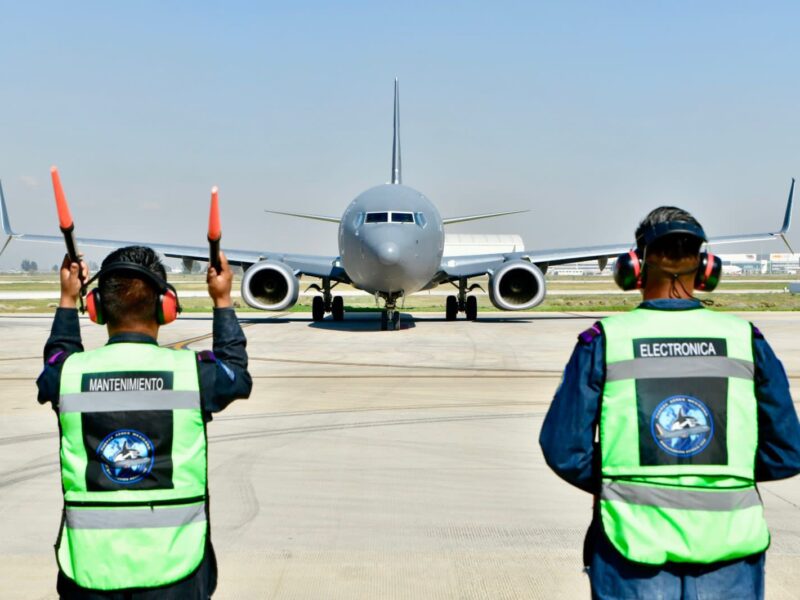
[(516, 285), (270, 285)]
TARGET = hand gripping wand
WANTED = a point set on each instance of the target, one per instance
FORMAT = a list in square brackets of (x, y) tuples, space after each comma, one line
[(66, 224), (214, 231)]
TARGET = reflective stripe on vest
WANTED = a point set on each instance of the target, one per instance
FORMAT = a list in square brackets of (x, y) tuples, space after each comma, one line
[(656, 368), (135, 518), (679, 498), (115, 401), (678, 436), (133, 464)]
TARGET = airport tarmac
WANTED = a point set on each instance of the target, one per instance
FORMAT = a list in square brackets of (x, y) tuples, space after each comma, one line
[(366, 464)]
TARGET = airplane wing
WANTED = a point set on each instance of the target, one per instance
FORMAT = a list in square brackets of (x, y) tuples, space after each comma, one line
[(456, 267), (305, 216), (464, 219), (302, 264)]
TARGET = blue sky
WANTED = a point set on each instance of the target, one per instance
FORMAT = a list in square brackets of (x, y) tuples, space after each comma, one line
[(588, 113)]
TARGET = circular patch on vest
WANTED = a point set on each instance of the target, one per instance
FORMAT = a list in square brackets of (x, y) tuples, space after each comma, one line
[(682, 426), (126, 456)]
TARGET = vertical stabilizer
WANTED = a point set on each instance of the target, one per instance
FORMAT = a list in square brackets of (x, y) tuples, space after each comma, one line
[(787, 219), (396, 166), (4, 223)]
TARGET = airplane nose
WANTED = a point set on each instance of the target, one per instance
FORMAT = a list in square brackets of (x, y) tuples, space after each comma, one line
[(388, 253)]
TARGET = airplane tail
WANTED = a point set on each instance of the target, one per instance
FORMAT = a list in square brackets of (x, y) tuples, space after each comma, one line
[(787, 219), (4, 222), (397, 177)]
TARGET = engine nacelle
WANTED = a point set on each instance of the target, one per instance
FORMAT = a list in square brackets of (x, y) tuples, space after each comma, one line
[(270, 285), (516, 285)]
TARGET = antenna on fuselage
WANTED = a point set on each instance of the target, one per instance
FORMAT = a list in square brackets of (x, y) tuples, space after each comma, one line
[(396, 167)]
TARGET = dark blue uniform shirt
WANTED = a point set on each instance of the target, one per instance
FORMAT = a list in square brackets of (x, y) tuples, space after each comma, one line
[(223, 378), (568, 433), (568, 443)]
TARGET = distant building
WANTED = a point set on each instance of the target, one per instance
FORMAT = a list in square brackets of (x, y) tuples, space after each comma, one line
[(742, 264), (732, 264), (788, 264), (586, 267), (465, 244)]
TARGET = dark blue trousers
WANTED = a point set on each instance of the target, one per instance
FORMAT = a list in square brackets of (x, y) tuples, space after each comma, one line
[(612, 576)]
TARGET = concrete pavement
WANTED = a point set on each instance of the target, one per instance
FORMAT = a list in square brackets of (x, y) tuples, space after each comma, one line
[(367, 464)]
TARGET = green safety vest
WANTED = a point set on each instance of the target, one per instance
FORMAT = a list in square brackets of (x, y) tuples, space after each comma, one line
[(133, 467), (678, 437)]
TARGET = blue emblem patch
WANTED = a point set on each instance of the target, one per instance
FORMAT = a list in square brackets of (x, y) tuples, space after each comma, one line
[(682, 426), (126, 456)]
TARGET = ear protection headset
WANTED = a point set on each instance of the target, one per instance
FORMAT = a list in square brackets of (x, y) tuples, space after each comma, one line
[(166, 309), (630, 270)]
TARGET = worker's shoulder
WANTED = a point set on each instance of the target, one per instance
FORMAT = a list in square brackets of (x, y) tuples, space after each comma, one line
[(198, 356), (589, 335), (206, 356), (734, 323)]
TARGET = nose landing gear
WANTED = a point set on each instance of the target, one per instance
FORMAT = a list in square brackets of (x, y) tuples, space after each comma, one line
[(390, 319), (390, 316)]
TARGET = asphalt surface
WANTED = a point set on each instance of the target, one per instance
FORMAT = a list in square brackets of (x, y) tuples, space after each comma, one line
[(366, 464)]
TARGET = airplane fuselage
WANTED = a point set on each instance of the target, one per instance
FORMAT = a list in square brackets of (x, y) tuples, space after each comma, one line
[(391, 240)]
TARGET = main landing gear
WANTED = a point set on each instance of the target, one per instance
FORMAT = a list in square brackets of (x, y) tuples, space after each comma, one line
[(327, 303), (462, 303)]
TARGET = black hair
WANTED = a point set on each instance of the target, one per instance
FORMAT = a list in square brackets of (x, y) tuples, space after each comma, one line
[(673, 246), (125, 296)]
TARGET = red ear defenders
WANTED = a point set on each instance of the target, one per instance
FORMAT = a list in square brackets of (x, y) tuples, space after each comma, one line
[(630, 270), (166, 309)]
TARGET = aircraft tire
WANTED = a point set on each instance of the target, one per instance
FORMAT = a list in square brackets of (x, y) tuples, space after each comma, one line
[(471, 309), (451, 308), (384, 321), (317, 308), (338, 308)]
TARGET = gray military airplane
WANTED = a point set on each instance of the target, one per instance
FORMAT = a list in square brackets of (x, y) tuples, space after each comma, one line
[(391, 243)]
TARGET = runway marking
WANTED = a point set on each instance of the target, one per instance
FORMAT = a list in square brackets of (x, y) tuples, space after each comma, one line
[(230, 437), (769, 491), (407, 377), (34, 437), (29, 471), (337, 411), (792, 378), (39, 468), (30, 437), (301, 361), (183, 343)]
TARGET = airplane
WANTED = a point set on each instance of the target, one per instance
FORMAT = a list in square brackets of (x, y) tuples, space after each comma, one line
[(391, 243), (683, 427), (129, 457)]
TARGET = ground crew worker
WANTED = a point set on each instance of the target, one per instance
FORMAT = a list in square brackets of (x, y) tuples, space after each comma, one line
[(690, 407), (132, 421)]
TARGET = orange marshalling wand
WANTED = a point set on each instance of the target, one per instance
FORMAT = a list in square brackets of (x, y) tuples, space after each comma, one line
[(214, 231), (64, 217)]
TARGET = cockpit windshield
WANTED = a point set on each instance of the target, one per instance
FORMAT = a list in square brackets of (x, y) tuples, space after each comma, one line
[(402, 217), (377, 217), (392, 217)]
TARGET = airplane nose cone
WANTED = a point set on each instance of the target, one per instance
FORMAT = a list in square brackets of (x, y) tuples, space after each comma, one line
[(388, 253)]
